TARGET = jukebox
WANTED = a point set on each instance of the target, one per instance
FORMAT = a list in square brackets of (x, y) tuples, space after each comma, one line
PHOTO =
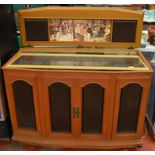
[(78, 82)]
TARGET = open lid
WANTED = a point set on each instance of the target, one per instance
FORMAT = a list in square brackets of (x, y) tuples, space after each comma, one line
[(81, 26)]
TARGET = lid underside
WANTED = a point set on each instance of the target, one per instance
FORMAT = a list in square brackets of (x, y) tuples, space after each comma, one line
[(81, 26)]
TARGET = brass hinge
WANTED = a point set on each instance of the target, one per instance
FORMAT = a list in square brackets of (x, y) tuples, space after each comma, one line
[(28, 45), (131, 47), (79, 46)]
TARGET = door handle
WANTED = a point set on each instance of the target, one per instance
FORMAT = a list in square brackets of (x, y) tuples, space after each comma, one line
[(76, 112)]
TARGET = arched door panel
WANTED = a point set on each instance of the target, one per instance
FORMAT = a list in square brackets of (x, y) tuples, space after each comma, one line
[(95, 106), (92, 108), (60, 107), (24, 104), (129, 108), (130, 102), (22, 95), (57, 99)]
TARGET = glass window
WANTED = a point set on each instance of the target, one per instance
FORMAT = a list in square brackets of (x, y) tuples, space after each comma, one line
[(89, 61)]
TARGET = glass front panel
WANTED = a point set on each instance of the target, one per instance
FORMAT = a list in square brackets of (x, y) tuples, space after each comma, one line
[(129, 108), (60, 107), (92, 108), (23, 96), (80, 61)]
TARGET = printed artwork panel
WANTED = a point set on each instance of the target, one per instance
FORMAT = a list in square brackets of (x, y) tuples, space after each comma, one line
[(80, 30), (61, 30)]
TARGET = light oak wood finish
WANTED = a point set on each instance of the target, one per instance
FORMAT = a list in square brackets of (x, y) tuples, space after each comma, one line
[(32, 81), (111, 80), (81, 13), (122, 82)]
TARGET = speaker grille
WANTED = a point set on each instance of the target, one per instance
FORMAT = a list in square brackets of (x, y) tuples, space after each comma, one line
[(92, 108), (60, 107), (36, 29), (124, 30), (23, 96), (129, 108)]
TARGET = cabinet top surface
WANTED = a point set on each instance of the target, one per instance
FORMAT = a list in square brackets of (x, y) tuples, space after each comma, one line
[(81, 26)]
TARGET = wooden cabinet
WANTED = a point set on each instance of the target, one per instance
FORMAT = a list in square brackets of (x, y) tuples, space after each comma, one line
[(77, 110), (86, 98)]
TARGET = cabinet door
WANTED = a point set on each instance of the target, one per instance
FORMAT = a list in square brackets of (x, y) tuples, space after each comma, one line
[(94, 108), (57, 98), (130, 107), (23, 104)]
